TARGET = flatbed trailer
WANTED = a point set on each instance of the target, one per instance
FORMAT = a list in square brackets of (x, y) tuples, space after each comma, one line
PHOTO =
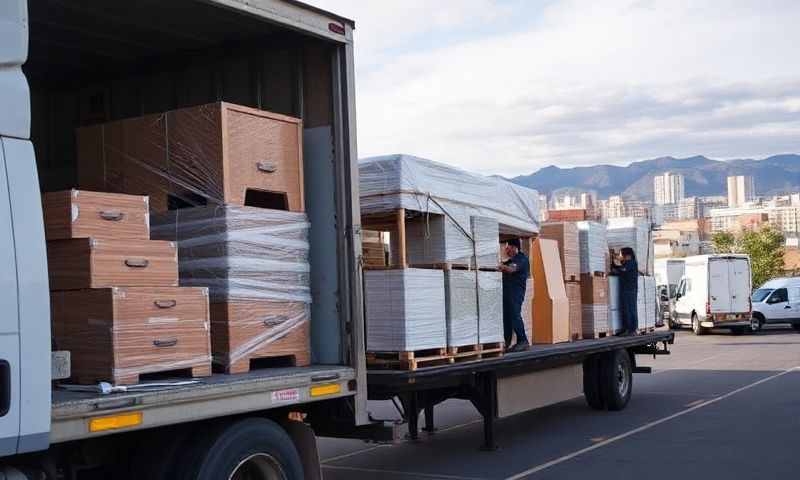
[(489, 383)]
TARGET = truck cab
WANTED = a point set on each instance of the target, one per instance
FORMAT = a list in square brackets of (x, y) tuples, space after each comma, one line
[(777, 301)]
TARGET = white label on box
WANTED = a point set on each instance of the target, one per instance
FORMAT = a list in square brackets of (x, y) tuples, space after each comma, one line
[(286, 396)]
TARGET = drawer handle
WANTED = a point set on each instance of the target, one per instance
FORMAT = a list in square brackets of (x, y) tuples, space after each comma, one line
[(275, 321), (137, 262), (267, 167), (171, 342), (112, 216), (165, 303)]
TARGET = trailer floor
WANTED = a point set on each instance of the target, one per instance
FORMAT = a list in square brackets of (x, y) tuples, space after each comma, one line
[(720, 406)]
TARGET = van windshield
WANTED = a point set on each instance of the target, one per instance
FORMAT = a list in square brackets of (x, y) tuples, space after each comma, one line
[(762, 293)]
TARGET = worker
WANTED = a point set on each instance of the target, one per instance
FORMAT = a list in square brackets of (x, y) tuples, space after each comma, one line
[(627, 269), (516, 271)]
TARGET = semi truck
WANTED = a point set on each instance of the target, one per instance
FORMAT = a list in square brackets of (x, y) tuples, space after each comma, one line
[(64, 65)]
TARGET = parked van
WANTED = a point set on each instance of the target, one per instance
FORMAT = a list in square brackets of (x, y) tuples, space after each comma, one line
[(668, 273), (714, 292), (777, 301)]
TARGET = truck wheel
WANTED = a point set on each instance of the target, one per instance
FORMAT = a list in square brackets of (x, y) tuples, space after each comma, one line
[(250, 449), (591, 383), (616, 377), (796, 326), (696, 327)]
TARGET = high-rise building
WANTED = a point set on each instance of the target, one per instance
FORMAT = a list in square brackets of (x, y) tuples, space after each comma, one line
[(741, 191), (668, 188)]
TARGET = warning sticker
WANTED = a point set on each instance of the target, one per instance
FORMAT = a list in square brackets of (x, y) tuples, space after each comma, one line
[(286, 396)]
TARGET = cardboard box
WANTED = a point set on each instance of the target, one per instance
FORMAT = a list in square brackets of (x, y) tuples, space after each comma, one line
[(118, 334), (84, 214), (575, 310), (566, 234)]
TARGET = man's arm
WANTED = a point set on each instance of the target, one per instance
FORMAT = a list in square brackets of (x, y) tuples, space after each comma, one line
[(510, 268)]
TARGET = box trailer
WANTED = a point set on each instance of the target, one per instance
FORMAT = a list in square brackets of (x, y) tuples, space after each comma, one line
[(715, 292), (65, 65)]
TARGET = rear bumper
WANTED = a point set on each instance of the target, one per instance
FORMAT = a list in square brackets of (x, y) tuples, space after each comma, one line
[(741, 320)]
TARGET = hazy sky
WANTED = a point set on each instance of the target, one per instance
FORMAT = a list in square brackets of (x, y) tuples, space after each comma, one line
[(511, 86)]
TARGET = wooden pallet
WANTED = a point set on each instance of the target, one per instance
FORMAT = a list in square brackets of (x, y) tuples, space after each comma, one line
[(411, 360), (442, 266), (259, 362), (136, 378), (470, 353), (575, 337), (599, 274), (593, 335)]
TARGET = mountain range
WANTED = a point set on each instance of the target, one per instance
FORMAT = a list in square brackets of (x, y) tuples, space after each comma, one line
[(702, 176)]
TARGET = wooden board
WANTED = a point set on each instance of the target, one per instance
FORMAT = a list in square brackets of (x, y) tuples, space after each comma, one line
[(550, 304), (244, 331), (215, 153), (95, 263), (84, 214), (120, 334)]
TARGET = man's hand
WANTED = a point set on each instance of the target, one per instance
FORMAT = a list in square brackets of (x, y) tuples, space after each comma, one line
[(510, 268)]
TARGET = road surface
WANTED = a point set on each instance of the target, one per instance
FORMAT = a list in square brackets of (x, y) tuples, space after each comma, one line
[(721, 407)]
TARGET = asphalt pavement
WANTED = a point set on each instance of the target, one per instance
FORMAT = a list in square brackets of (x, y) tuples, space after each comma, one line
[(720, 407)]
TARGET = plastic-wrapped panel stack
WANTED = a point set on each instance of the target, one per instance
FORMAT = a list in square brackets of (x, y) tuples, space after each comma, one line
[(635, 233), (490, 307), (614, 313), (594, 297), (593, 247), (405, 310), (433, 239), (485, 232), (461, 307), (646, 303), (255, 263), (527, 309)]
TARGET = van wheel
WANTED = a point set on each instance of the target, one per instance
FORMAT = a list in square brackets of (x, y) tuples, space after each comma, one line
[(616, 379), (696, 328), (250, 449), (672, 324), (756, 323)]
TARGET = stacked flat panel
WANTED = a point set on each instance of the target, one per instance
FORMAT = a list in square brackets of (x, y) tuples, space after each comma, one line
[(461, 307), (486, 233), (635, 233), (490, 307), (593, 247), (405, 310)]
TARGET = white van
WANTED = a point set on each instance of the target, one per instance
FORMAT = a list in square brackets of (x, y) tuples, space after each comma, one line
[(714, 292), (668, 273), (777, 301)]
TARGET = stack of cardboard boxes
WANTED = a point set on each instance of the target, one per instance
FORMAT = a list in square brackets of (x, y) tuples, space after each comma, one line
[(566, 235)]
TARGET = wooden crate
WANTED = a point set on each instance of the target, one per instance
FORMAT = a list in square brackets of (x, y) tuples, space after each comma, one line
[(84, 214), (120, 334), (244, 331), (215, 153), (94, 263)]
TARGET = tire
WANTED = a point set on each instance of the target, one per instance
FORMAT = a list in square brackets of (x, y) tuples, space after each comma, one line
[(616, 379), (591, 383), (738, 330), (756, 323), (796, 326), (253, 448), (696, 327), (673, 325)]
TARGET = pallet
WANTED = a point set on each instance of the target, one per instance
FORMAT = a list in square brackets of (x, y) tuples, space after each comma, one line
[(575, 337), (447, 266), (599, 274), (471, 353), (410, 360), (572, 279), (594, 335), (249, 364), (135, 379)]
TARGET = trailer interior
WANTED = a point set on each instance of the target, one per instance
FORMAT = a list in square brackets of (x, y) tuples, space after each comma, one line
[(96, 61)]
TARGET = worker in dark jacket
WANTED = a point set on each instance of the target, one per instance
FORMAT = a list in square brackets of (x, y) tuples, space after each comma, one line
[(516, 271), (628, 271)]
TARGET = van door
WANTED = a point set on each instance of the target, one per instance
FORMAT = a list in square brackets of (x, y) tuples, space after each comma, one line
[(740, 285), (719, 285), (794, 303), (683, 307), (9, 324)]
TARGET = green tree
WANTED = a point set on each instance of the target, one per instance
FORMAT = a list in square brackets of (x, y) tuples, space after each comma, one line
[(765, 248), (724, 242)]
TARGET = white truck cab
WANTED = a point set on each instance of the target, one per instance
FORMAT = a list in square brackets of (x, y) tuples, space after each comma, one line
[(777, 301), (714, 292)]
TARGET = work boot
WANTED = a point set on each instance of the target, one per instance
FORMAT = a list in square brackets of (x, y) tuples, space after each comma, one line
[(520, 347)]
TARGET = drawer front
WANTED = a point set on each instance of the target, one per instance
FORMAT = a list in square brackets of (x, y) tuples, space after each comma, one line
[(158, 329), (123, 263), (109, 216), (263, 155)]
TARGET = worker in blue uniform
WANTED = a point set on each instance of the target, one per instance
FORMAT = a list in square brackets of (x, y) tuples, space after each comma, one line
[(628, 271), (516, 271)]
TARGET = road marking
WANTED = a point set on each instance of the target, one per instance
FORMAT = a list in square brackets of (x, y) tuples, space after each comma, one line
[(695, 403), (352, 454), (397, 472), (647, 426)]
